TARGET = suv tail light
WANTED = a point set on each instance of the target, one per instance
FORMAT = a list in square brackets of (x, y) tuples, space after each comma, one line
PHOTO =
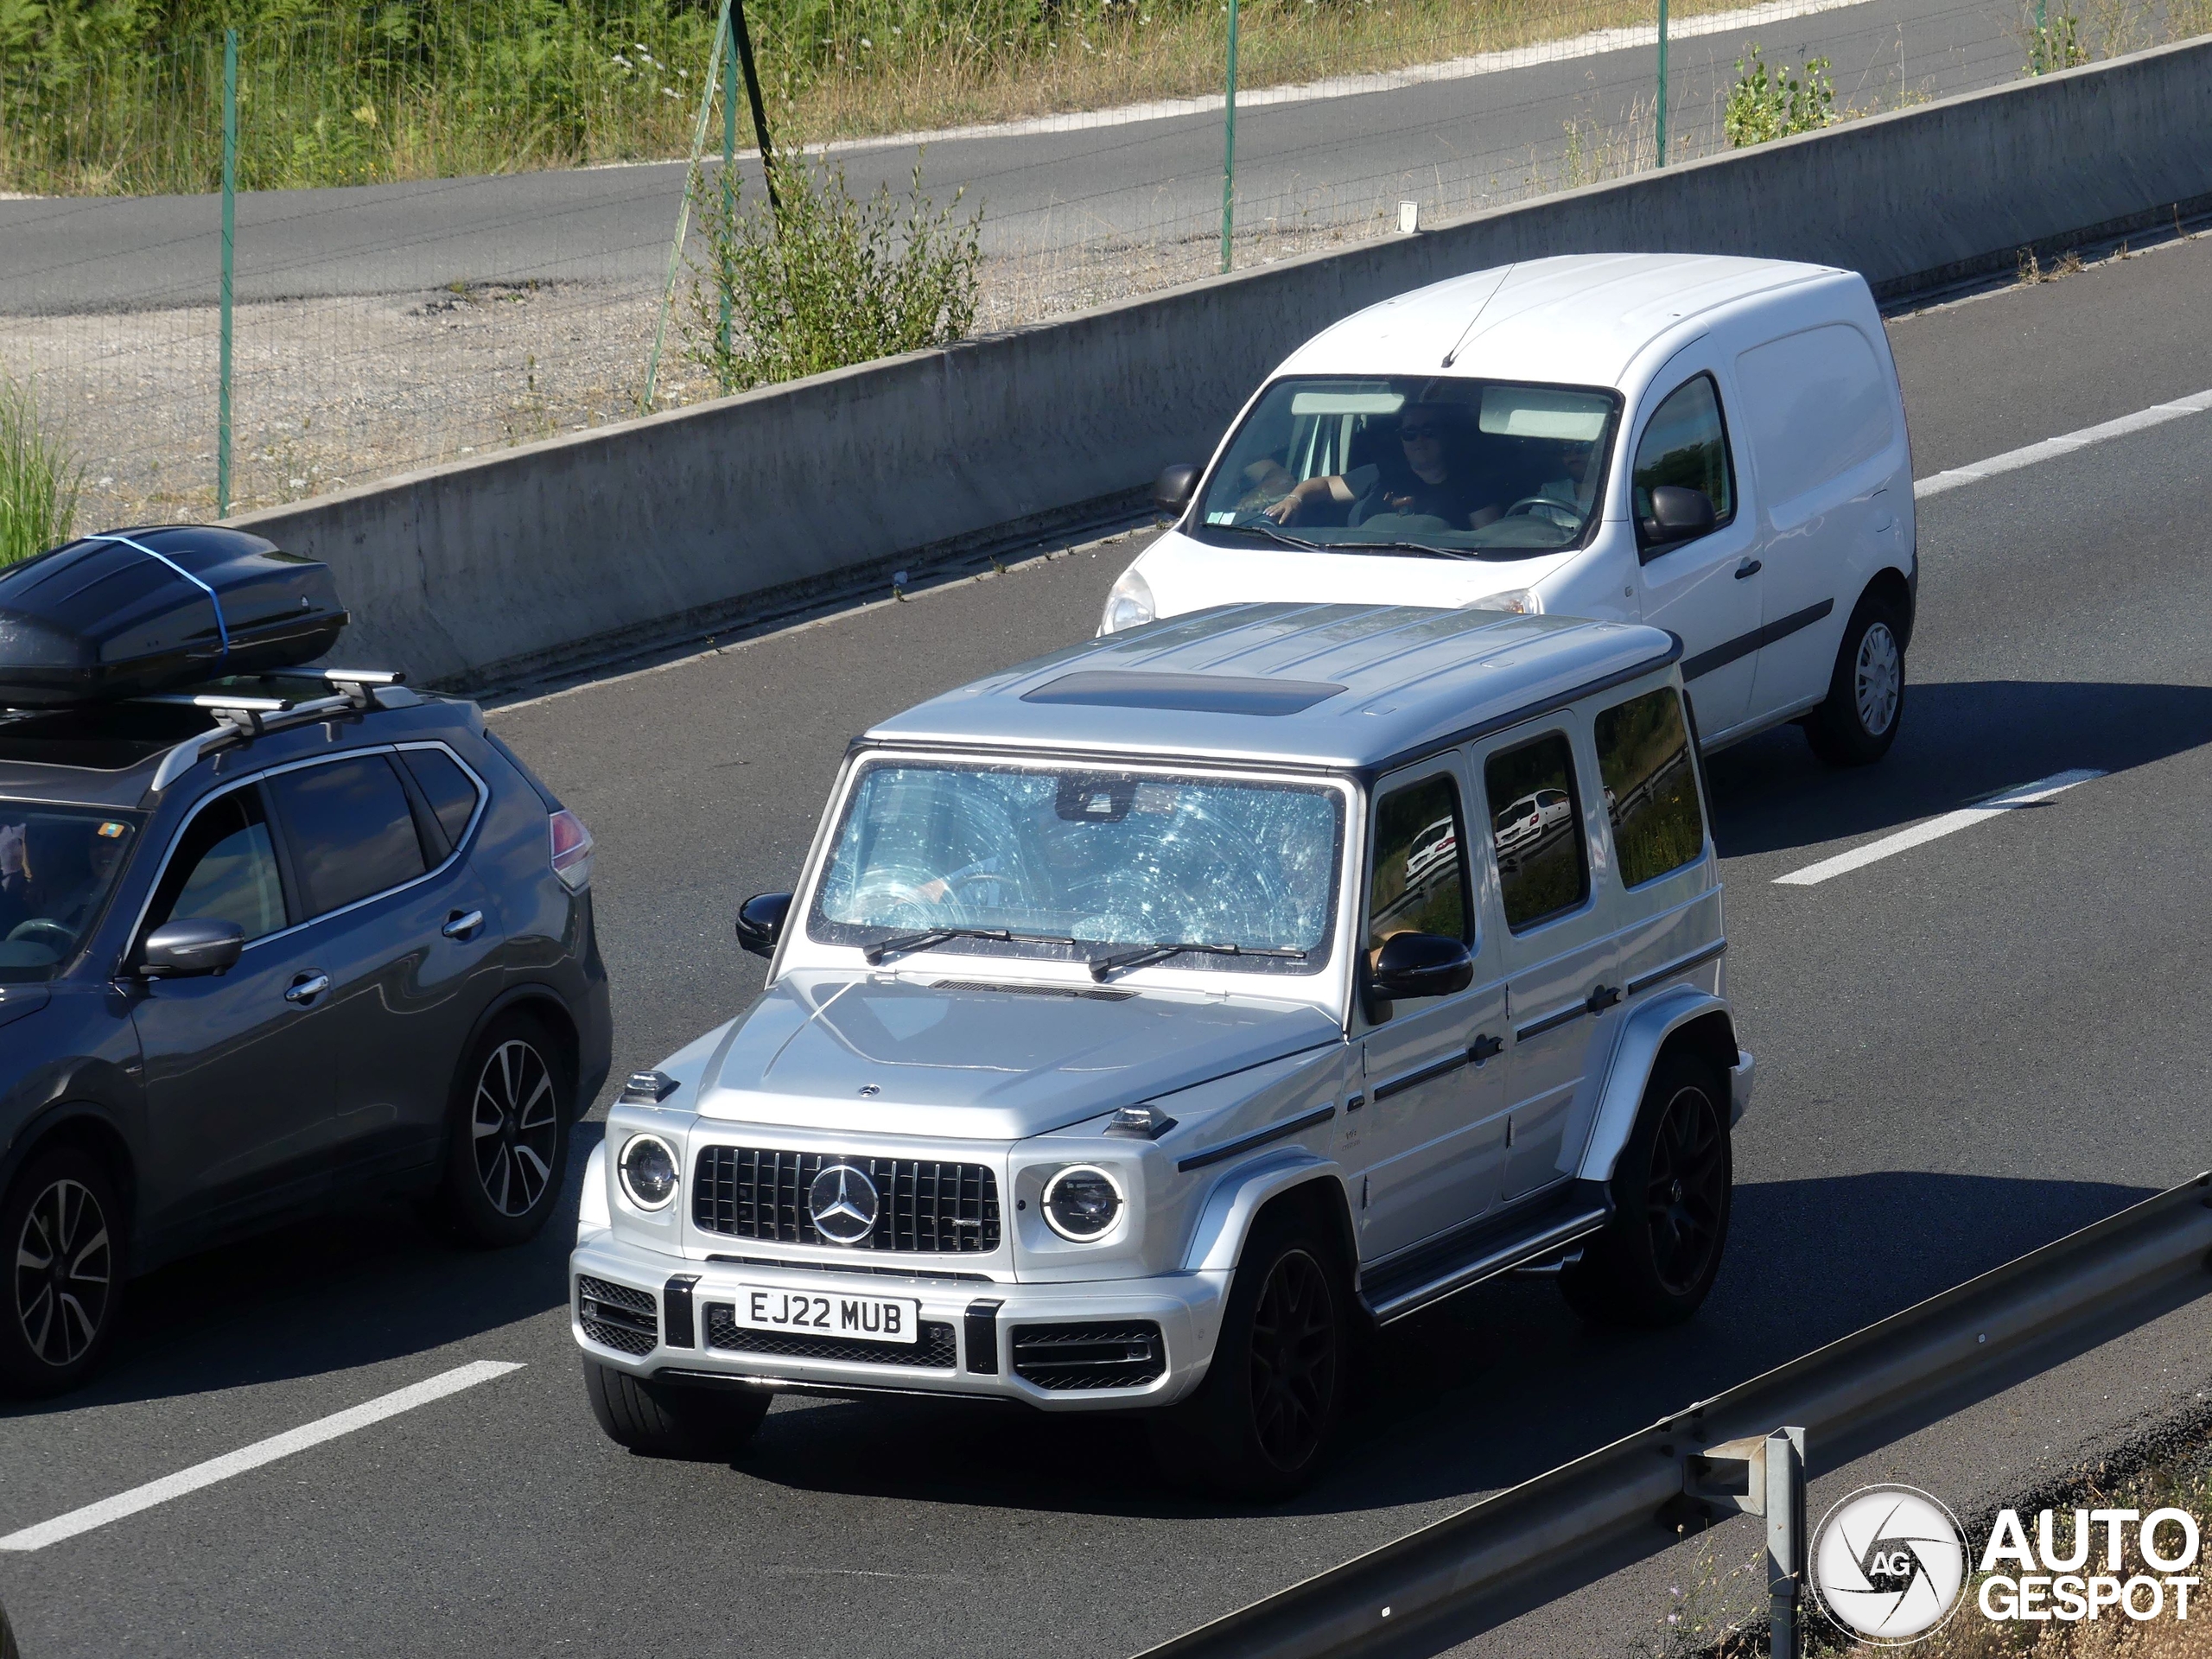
[(572, 845)]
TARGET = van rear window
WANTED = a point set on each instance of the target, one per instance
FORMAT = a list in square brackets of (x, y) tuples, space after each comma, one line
[(1819, 403)]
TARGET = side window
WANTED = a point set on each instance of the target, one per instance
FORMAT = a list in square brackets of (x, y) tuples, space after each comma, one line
[(1685, 443), (349, 828), (224, 870), (446, 786), (1535, 816), (1643, 755), (1417, 882)]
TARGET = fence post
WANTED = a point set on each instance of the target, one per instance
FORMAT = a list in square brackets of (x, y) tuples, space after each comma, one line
[(729, 174), (1785, 1539), (684, 211), (1228, 148), (1663, 83), (743, 36), (230, 239)]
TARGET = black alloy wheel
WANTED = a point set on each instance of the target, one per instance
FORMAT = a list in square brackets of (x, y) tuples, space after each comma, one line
[(1686, 1192), (1294, 1360), (507, 1154), (61, 1227)]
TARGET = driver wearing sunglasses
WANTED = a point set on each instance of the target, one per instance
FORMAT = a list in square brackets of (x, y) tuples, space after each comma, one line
[(1431, 480)]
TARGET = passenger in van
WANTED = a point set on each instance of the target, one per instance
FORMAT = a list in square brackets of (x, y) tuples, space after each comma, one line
[(1433, 478)]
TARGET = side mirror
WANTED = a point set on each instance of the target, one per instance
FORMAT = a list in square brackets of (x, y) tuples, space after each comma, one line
[(760, 922), (1678, 514), (1421, 964), (1173, 489), (201, 945)]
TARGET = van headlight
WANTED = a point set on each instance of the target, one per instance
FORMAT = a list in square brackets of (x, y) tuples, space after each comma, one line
[(1526, 601), (1129, 603), (647, 1168), (1082, 1203)]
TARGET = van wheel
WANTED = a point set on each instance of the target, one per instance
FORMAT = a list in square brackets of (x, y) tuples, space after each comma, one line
[(1865, 702), (1259, 1425), (61, 1234), (507, 1135), (1658, 1258), (661, 1421)]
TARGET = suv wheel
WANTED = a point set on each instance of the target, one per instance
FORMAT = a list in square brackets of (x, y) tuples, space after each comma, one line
[(661, 1421), (1260, 1424), (1866, 700), (507, 1151), (1656, 1262), (61, 1227)]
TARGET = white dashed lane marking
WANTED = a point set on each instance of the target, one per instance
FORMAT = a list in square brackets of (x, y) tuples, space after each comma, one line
[(2065, 443), (1920, 835)]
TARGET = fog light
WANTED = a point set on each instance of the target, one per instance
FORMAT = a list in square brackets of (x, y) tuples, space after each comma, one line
[(648, 1171), (1082, 1203)]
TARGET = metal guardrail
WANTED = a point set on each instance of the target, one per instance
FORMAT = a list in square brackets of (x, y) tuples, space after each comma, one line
[(1707, 1453)]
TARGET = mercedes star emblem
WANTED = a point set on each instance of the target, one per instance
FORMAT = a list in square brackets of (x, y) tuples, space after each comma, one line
[(842, 1202)]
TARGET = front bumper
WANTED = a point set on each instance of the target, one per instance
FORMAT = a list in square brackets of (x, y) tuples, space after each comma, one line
[(1740, 1078), (1058, 1347)]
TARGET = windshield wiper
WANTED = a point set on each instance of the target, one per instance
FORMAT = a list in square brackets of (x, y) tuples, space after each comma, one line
[(1266, 527), (898, 944), (1102, 966)]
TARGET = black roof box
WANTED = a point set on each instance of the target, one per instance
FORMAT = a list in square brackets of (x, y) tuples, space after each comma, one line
[(129, 611)]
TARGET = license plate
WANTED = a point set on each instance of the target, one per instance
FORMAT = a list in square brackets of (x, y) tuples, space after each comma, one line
[(862, 1318)]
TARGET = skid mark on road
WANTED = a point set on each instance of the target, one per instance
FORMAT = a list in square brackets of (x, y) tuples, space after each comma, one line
[(252, 1457), (1994, 806)]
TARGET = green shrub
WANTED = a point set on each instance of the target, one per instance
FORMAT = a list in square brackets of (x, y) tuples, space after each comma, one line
[(2056, 44), (1773, 104), (39, 480), (823, 278)]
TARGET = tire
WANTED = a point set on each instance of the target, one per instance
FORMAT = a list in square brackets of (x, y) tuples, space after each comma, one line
[(507, 1140), (1259, 1425), (61, 1231), (1658, 1258), (660, 1420), (1865, 702)]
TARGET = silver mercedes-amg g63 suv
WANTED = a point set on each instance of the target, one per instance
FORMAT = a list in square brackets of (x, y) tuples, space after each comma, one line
[(1146, 1020)]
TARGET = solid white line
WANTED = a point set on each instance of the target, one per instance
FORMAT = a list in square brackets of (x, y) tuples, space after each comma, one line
[(1920, 834), (252, 1457), (2035, 453)]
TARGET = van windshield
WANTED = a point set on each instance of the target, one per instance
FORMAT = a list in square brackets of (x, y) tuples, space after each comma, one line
[(1457, 468), (56, 866)]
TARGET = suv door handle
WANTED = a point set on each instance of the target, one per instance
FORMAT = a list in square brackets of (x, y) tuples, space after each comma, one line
[(305, 987), (1747, 568), (1486, 1047), (1603, 997), (462, 922)]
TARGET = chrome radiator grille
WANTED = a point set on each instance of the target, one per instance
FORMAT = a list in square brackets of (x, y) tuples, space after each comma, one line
[(923, 1205)]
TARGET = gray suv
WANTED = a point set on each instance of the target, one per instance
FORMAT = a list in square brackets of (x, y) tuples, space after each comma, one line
[(265, 946), (1149, 1020)]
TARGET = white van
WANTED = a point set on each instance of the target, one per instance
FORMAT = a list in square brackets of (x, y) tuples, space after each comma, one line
[(1714, 446)]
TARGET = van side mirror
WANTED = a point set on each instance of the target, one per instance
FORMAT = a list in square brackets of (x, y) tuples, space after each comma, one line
[(1678, 514), (1421, 964), (200, 945), (1172, 490), (760, 922)]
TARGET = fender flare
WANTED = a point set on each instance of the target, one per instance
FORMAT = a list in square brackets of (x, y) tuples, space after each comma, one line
[(536, 994), (1643, 1037), (1226, 1217)]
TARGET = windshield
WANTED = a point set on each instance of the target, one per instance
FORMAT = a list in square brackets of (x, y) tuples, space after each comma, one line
[(1464, 468), (1103, 858), (57, 864)]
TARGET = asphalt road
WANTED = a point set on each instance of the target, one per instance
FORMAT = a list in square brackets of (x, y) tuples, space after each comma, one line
[(1454, 145), (1965, 1051)]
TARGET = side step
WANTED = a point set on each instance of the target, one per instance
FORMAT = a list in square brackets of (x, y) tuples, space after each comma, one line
[(1484, 1249)]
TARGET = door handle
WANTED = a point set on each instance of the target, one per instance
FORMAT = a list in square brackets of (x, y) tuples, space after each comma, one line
[(1486, 1047), (1747, 568), (462, 922), (305, 987), (1603, 997)]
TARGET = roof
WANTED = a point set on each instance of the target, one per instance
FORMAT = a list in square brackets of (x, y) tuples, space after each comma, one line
[(1341, 686), (1577, 320)]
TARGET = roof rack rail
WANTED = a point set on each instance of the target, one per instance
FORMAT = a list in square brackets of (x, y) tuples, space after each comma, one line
[(242, 716)]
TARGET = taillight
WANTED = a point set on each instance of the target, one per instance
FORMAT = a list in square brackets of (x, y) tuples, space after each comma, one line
[(572, 846)]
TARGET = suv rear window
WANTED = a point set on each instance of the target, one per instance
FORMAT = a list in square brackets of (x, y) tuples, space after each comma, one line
[(1643, 755), (1543, 870), (350, 830), (446, 786)]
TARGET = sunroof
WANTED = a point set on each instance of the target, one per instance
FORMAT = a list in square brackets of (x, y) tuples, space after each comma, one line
[(1195, 693)]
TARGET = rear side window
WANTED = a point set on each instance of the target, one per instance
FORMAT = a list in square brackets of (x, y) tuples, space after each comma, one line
[(1819, 403), (224, 870), (1417, 883), (446, 786), (1685, 443), (1543, 870), (349, 828), (1643, 755)]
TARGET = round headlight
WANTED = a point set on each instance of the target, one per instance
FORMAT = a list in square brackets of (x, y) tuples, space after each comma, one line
[(648, 1170), (1082, 1203)]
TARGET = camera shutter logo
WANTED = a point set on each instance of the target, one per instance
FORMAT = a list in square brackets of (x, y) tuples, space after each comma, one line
[(844, 1203), (1889, 1563)]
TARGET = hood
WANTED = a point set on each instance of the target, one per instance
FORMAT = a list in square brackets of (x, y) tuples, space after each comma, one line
[(1190, 575), (979, 1062), (16, 1001)]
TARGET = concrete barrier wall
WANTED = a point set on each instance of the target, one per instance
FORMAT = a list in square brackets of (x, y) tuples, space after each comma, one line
[(472, 574)]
